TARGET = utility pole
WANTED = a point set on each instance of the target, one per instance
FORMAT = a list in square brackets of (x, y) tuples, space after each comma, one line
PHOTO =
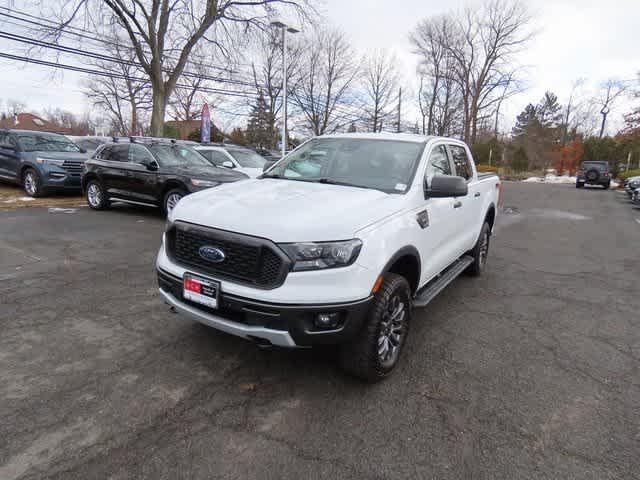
[(285, 28), (399, 108), (490, 155), (628, 161)]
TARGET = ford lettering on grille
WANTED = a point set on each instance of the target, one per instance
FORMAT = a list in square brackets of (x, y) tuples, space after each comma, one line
[(211, 254)]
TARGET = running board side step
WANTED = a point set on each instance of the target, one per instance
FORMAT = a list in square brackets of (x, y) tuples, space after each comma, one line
[(435, 286)]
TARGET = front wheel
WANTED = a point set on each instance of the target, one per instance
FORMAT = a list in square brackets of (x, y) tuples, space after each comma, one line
[(480, 252), (171, 199), (96, 196), (375, 352), (32, 183)]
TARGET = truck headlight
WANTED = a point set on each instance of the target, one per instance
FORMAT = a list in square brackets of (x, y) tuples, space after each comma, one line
[(321, 255), (203, 183)]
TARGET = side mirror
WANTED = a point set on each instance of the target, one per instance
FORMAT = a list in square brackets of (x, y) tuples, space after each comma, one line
[(443, 186), (268, 164), (7, 146), (150, 165), (228, 164)]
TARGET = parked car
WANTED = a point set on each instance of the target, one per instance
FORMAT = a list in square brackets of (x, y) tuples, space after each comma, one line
[(631, 184), (333, 245), (154, 173), (234, 157), (269, 155), (40, 161), (89, 143), (593, 173)]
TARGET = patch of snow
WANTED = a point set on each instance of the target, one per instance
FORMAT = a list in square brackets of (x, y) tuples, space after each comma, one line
[(26, 199), (551, 178)]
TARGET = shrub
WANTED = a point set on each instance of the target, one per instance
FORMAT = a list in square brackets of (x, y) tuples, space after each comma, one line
[(631, 173), (486, 169)]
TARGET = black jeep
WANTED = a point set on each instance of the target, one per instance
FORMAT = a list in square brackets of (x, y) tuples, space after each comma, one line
[(593, 173)]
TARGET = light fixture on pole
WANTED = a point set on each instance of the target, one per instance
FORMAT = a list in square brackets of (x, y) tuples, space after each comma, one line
[(285, 28)]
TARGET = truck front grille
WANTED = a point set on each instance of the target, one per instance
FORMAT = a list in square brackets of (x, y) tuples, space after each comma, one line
[(247, 260)]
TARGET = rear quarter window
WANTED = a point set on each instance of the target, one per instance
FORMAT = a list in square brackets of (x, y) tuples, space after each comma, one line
[(461, 162)]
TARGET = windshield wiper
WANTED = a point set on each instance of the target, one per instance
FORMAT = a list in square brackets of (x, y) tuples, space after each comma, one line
[(331, 181)]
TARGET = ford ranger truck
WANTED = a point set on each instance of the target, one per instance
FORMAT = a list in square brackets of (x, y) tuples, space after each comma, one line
[(334, 244)]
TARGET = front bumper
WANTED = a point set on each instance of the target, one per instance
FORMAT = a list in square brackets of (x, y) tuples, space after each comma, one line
[(284, 325), (57, 177)]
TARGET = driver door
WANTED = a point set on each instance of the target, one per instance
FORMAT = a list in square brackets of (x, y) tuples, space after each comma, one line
[(438, 220), (142, 181)]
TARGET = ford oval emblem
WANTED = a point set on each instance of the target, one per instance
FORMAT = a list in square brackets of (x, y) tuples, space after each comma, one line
[(211, 254)]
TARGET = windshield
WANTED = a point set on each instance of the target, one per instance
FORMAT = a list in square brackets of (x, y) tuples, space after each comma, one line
[(386, 165), (177, 156), (46, 142), (247, 158)]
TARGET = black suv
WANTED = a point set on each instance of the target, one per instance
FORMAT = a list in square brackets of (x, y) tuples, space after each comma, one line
[(154, 173), (593, 173)]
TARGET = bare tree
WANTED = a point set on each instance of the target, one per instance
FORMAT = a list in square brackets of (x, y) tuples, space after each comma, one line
[(380, 85), (569, 112), (120, 93), (327, 73), (483, 51), (164, 33), (610, 91)]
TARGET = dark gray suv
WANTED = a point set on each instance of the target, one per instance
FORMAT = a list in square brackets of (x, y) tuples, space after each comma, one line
[(40, 161)]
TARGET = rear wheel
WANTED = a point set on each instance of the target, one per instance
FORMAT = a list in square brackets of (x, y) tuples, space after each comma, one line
[(579, 184), (606, 186), (171, 199), (480, 252), (96, 196), (32, 183), (375, 352)]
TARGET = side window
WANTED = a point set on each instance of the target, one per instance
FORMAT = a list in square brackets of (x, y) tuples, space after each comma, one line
[(118, 153), (215, 156), (103, 153), (461, 162), (438, 163), (139, 154)]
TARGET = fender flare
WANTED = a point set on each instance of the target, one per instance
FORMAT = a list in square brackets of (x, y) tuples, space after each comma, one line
[(407, 250)]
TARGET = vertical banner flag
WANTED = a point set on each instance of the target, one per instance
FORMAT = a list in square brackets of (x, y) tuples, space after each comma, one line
[(205, 126)]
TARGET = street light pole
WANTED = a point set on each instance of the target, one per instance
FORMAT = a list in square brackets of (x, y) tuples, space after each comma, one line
[(284, 29)]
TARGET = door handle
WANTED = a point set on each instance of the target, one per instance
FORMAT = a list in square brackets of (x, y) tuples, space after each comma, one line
[(458, 204), (477, 194)]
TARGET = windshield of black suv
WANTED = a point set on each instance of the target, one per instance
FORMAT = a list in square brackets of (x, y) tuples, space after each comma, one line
[(247, 158), (171, 155), (386, 165), (46, 142)]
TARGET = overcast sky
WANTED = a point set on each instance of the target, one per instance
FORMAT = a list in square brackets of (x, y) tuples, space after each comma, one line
[(575, 38)]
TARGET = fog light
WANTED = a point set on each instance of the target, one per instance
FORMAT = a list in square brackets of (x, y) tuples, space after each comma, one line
[(328, 320)]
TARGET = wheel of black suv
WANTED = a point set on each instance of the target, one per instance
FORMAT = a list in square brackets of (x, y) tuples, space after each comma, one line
[(96, 196), (579, 185), (606, 186), (375, 352), (480, 252), (32, 183), (171, 199)]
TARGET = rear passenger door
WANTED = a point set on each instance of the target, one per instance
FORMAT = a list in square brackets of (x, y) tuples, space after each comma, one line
[(113, 160), (470, 206)]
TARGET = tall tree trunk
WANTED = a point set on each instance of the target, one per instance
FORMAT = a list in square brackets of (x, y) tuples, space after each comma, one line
[(158, 111)]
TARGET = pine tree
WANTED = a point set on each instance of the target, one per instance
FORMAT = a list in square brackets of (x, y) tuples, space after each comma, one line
[(260, 132)]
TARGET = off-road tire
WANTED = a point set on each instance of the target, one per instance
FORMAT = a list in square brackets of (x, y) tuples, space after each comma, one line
[(360, 357), (100, 202), (479, 252), (579, 184)]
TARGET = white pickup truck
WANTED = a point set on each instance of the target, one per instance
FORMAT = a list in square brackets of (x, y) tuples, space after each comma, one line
[(334, 244)]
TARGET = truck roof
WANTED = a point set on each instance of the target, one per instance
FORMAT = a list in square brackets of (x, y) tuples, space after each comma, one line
[(406, 137)]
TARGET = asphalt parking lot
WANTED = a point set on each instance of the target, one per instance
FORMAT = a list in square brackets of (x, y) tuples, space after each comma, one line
[(532, 371)]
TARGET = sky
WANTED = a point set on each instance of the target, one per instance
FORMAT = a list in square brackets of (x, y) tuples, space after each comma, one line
[(574, 39)]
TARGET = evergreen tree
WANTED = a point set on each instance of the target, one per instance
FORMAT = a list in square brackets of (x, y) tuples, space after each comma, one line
[(260, 132)]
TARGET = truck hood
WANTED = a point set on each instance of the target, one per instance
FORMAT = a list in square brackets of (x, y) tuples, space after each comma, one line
[(288, 211), (208, 173)]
